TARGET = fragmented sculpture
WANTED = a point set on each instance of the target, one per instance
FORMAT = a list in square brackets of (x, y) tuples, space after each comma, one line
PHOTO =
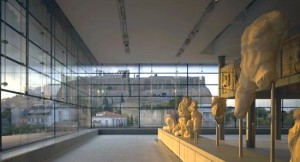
[(170, 121), (183, 108), (294, 137), (189, 122), (260, 44), (184, 116), (218, 109), (180, 128), (195, 123), (291, 56)]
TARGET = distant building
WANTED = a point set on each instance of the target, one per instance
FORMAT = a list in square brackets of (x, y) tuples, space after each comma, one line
[(41, 114), (109, 119)]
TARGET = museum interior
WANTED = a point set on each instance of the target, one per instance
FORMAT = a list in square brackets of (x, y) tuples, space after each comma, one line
[(156, 80)]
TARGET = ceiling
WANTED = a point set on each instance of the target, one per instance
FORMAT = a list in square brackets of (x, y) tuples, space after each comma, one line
[(157, 29)]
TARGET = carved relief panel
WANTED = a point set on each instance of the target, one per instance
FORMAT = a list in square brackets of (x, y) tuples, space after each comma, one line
[(229, 78), (291, 56)]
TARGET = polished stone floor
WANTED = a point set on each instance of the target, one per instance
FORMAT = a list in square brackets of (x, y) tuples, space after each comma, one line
[(146, 148), (262, 147), (119, 148)]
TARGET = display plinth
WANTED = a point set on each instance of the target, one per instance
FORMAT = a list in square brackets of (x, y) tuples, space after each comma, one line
[(207, 151)]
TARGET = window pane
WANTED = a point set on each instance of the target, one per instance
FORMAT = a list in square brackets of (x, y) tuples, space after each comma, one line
[(15, 16), (66, 118), (39, 11), (15, 46), (13, 75), (25, 119), (85, 117), (288, 108), (263, 112), (60, 33), (35, 83), (60, 52)]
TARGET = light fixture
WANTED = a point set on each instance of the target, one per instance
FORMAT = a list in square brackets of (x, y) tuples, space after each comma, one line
[(210, 7), (122, 17)]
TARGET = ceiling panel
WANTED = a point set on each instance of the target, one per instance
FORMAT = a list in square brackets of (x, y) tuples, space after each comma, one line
[(157, 29)]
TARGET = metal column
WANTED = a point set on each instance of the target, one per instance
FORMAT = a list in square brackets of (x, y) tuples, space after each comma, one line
[(250, 127), (241, 137), (217, 135), (221, 62), (272, 137), (278, 113)]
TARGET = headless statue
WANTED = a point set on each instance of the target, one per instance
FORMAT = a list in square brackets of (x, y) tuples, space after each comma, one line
[(218, 109), (260, 44), (170, 121)]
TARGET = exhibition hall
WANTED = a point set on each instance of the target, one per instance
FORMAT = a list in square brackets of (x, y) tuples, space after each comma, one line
[(150, 80)]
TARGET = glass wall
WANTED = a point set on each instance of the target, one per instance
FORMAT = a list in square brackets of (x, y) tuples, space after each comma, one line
[(287, 108), (263, 113), (141, 95), (40, 80)]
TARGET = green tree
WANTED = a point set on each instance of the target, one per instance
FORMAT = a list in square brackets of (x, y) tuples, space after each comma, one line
[(173, 103), (288, 118), (262, 113), (229, 115), (6, 122), (130, 120)]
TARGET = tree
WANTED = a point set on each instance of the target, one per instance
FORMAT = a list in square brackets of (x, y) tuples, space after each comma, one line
[(172, 103), (288, 118), (229, 115), (262, 113), (130, 120), (6, 122)]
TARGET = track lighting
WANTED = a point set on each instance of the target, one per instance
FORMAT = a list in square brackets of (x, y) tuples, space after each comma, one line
[(210, 7)]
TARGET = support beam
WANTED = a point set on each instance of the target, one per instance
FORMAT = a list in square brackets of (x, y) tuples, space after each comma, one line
[(221, 62), (272, 137), (241, 137), (250, 127), (278, 113), (217, 135)]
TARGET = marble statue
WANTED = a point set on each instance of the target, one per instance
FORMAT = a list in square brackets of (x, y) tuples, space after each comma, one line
[(170, 121), (184, 116), (260, 44), (183, 108), (294, 137), (195, 123), (218, 109), (189, 122), (180, 128)]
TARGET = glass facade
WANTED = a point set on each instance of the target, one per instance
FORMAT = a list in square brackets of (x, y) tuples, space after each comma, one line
[(263, 114), (141, 95), (40, 60)]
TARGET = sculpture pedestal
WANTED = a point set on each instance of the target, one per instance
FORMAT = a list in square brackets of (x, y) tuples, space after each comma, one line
[(184, 149), (207, 151)]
